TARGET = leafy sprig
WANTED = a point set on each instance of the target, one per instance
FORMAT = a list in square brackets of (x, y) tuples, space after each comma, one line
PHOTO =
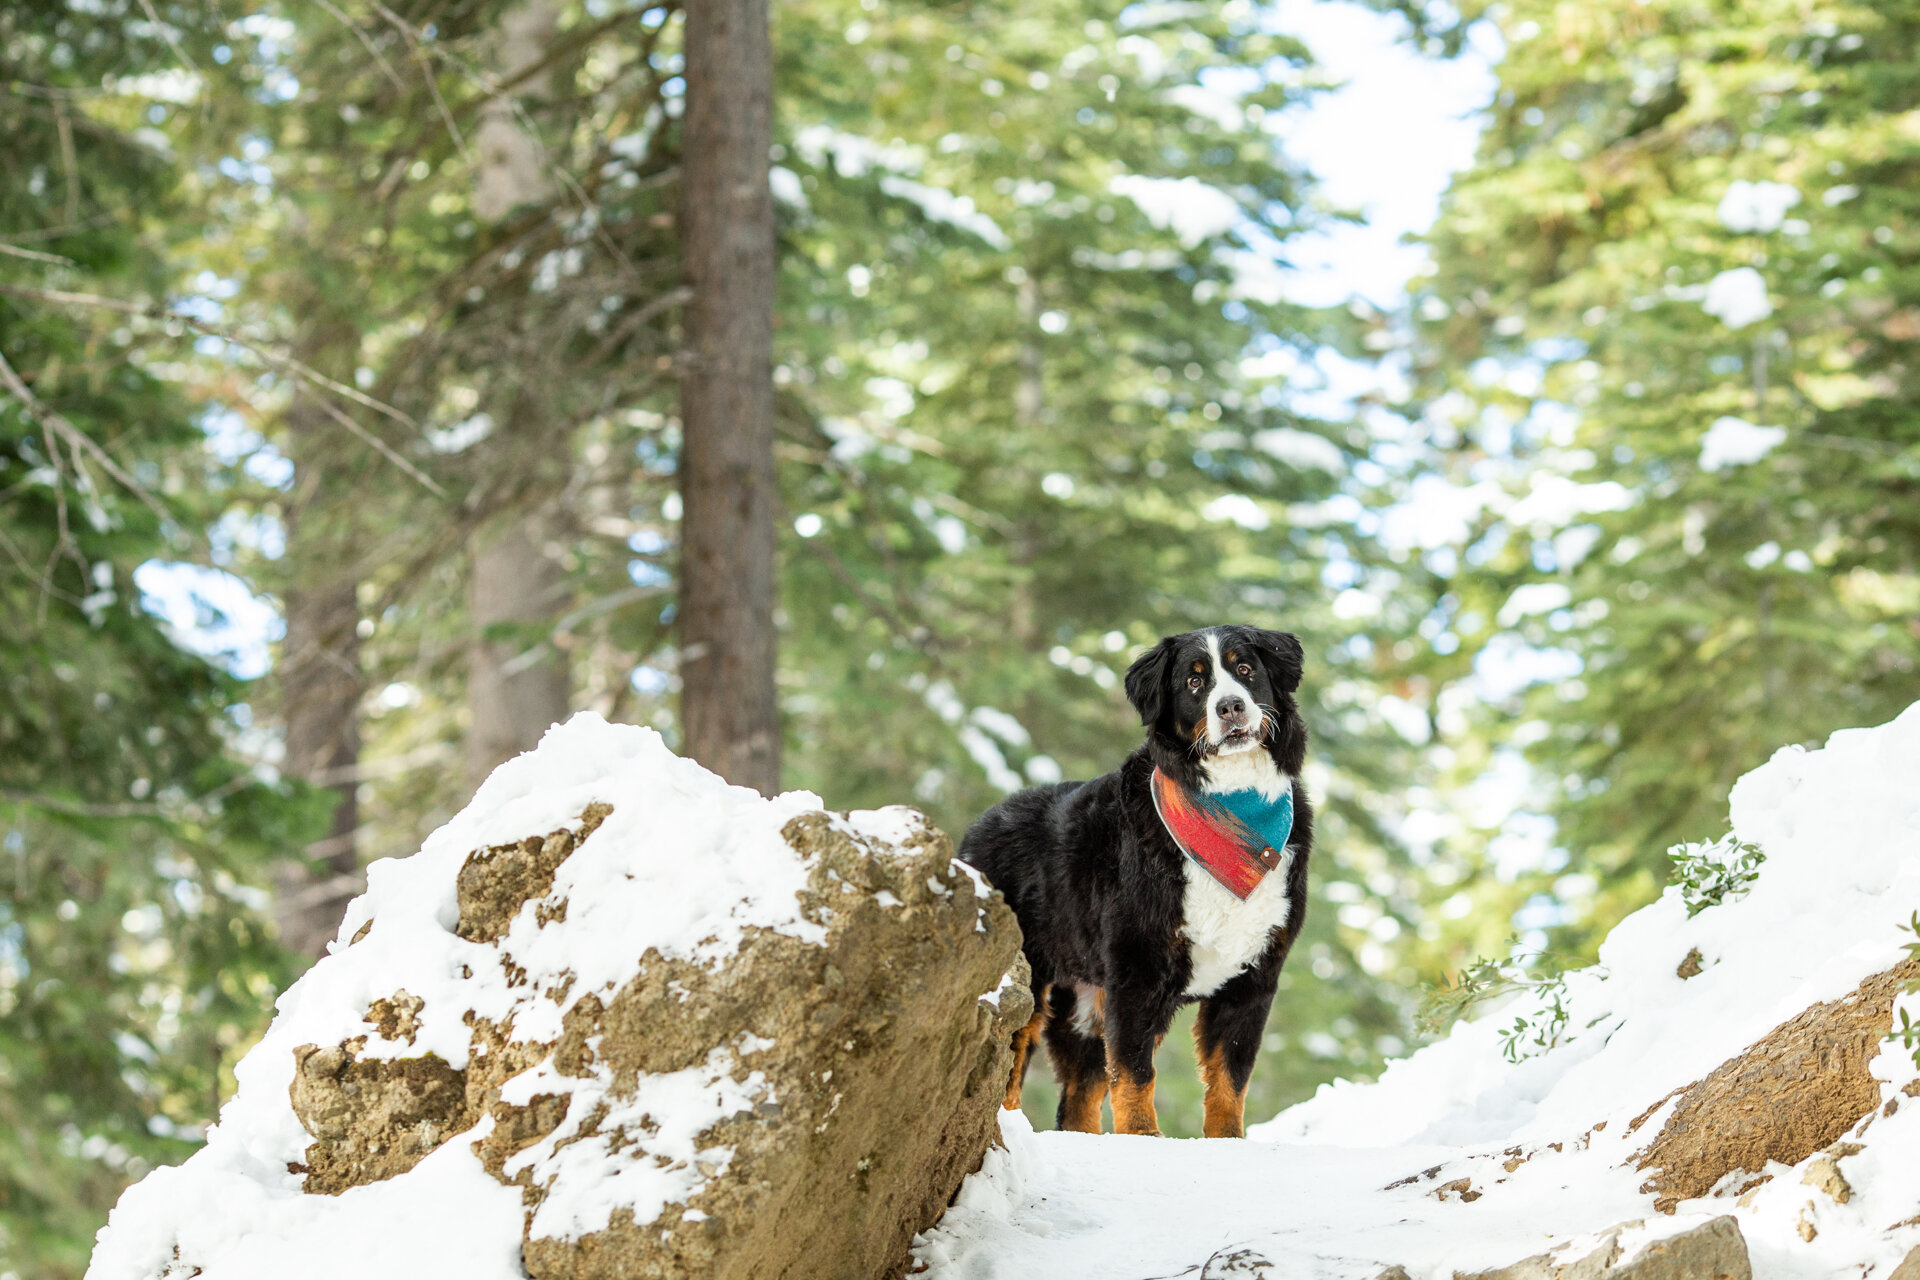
[(1710, 873), (1533, 1032), (1907, 1034)]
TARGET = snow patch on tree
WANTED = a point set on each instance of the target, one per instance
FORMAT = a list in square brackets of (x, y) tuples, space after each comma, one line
[(1191, 209), (1734, 442), (1737, 298), (1756, 206)]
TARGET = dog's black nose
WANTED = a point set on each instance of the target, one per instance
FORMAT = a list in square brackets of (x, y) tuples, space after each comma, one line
[(1233, 707)]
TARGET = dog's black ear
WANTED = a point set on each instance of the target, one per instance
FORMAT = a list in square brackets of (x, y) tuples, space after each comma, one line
[(1280, 651), (1147, 679)]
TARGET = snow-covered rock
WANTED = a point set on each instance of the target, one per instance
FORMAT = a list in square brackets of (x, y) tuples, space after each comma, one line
[(1750, 1033), (1711, 1250), (616, 1018)]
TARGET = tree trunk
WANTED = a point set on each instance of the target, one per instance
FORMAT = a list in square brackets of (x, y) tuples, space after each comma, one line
[(517, 683), (509, 168), (729, 710), (321, 685)]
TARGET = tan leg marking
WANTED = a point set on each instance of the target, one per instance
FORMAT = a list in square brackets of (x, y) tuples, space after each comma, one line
[(1022, 1050), (1226, 1106), (1132, 1102), (1080, 1104)]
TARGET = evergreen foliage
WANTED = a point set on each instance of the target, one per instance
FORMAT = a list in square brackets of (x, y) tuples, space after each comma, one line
[(1670, 354), (1039, 399), (1034, 364), (1026, 428), (133, 961)]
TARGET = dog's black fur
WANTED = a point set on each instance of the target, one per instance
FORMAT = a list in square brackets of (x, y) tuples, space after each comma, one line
[(1098, 887)]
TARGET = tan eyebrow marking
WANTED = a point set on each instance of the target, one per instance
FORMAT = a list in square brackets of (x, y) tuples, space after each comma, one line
[(1233, 655), (1199, 668)]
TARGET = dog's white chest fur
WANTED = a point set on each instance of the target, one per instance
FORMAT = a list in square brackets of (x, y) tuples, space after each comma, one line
[(1225, 933)]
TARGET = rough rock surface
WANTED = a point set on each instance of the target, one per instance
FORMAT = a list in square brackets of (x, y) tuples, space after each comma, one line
[(1793, 1093), (874, 1065), (1714, 1250)]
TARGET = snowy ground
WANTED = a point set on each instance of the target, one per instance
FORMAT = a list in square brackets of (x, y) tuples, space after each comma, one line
[(1311, 1191), (1457, 1159)]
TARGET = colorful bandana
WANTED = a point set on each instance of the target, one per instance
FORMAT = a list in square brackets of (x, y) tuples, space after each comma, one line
[(1236, 835)]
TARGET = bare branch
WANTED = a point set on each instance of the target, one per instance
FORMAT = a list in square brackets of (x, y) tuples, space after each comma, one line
[(78, 808), (366, 41), (374, 442), (63, 126), (167, 34), (77, 440), (34, 255), (279, 359), (433, 85)]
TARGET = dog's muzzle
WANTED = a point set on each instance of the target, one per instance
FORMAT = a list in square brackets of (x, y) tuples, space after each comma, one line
[(1238, 725)]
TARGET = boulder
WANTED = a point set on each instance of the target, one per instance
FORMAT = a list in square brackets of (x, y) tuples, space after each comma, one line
[(687, 1033), (876, 1065), (1791, 1094), (1714, 1250)]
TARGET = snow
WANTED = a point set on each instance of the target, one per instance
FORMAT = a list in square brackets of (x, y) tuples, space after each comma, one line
[(942, 205), (787, 188), (1359, 1177), (1735, 442), (684, 864), (1194, 210), (1737, 298), (1237, 508), (592, 1176), (1553, 501), (1321, 1189), (1532, 598), (1756, 206), (1301, 450)]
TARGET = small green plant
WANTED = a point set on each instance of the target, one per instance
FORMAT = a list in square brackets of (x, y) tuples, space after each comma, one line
[(1907, 1034), (1709, 873), (1542, 1028), (1446, 1002)]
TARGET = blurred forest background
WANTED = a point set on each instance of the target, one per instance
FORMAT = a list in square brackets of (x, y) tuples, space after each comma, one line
[(341, 407)]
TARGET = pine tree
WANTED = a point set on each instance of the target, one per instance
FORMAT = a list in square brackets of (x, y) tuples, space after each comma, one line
[(477, 209), (1032, 363), (1686, 249), (134, 961)]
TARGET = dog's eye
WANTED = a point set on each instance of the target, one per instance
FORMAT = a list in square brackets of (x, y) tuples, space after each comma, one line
[(1244, 670), (1194, 683)]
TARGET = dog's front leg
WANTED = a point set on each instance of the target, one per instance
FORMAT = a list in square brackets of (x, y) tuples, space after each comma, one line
[(1137, 1018), (1226, 1040)]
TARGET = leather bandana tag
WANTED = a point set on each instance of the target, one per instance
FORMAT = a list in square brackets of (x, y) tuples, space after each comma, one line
[(1236, 835)]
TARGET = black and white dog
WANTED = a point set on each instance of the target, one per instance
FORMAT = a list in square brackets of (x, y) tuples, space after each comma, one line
[(1122, 926)]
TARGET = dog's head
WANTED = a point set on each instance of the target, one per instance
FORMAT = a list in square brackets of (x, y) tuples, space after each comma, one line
[(1218, 692)]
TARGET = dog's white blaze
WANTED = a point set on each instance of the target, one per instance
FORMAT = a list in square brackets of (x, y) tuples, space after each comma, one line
[(1226, 934), (1224, 685)]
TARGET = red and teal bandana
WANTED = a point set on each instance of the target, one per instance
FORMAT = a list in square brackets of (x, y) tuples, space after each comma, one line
[(1236, 835)]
